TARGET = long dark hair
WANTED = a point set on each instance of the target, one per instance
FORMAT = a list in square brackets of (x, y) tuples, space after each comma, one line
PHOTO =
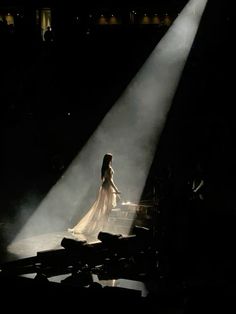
[(105, 164)]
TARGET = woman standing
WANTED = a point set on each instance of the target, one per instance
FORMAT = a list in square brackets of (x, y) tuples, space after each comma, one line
[(97, 217)]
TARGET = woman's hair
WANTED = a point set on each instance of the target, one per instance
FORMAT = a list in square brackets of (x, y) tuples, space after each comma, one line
[(105, 164)]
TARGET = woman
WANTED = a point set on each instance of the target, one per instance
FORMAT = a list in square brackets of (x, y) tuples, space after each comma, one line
[(96, 218)]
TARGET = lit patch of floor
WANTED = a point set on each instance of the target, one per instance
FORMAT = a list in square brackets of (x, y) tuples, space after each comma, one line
[(119, 222), (30, 246)]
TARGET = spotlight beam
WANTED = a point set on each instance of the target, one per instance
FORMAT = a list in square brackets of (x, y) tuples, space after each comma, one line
[(130, 131)]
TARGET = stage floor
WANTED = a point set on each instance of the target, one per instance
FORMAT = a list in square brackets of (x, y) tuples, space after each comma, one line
[(29, 247)]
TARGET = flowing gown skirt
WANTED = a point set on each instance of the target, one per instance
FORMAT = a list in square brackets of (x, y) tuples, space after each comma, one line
[(97, 217)]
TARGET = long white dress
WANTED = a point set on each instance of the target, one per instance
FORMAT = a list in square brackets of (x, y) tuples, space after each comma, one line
[(97, 217)]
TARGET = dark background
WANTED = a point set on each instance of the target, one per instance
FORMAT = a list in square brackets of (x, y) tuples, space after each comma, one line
[(53, 97)]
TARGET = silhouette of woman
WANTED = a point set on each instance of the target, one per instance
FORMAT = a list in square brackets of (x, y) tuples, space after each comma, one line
[(96, 218)]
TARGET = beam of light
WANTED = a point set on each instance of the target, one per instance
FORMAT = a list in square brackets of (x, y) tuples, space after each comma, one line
[(130, 131)]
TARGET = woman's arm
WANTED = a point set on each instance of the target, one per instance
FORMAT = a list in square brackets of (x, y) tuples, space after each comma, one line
[(110, 179), (114, 186), (196, 188)]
